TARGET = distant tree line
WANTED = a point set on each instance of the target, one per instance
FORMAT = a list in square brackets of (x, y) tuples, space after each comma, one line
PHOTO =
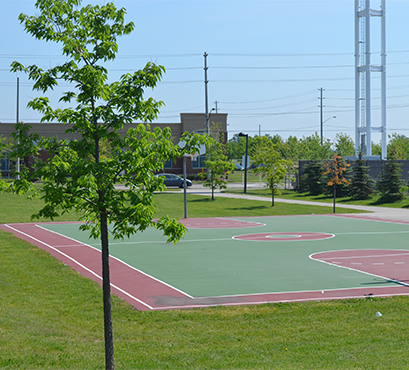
[(310, 148), (356, 182)]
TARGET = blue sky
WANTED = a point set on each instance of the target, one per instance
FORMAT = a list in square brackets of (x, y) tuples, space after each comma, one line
[(267, 61)]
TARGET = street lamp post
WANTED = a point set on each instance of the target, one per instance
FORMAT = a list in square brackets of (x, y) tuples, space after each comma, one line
[(246, 160), (322, 126)]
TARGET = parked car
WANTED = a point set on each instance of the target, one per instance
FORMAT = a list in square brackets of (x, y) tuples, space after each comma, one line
[(239, 167), (173, 180), (253, 166)]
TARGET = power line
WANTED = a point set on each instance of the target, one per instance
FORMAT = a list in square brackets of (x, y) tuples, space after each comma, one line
[(269, 100)]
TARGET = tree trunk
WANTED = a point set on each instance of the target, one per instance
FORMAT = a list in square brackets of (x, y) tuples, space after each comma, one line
[(272, 198), (106, 288), (335, 193)]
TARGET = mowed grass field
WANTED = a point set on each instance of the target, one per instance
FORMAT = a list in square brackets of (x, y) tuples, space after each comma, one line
[(295, 195), (51, 317)]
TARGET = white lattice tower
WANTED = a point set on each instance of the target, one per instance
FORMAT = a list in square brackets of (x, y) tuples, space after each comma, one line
[(363, 70)]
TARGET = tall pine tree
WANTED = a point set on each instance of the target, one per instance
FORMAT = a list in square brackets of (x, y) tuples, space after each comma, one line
[(361, 186), (313, 180), (390, 184)]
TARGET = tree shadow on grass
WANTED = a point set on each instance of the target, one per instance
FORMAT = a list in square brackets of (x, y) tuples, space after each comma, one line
[(254, 208), (204, 200)]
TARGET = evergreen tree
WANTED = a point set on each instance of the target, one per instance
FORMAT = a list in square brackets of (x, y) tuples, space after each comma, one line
[(361, 186), (313, 180), (390, 184)]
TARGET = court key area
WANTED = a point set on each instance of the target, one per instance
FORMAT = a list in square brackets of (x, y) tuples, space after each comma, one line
[(224, 261)]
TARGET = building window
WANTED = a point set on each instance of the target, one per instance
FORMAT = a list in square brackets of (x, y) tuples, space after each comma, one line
[(168, 164), (199, 162), (5, 165)]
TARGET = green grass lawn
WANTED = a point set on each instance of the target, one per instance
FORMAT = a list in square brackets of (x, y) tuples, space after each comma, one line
[(238, 176), (51, 318), (203, 206), (295, 195)]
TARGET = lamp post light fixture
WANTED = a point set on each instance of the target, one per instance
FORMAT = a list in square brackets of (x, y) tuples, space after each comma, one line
[(245, 160), (322, 126)]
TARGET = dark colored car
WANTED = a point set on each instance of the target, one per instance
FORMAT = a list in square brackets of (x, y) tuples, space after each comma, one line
[(173, 180), (253, 166)]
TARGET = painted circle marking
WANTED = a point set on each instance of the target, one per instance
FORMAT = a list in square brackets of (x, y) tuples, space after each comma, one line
[(283, 236)]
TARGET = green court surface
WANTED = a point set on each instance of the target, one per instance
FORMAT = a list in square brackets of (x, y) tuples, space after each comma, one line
[(209, 262)]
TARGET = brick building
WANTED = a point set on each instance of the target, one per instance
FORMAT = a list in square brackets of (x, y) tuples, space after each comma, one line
[(189, 122)]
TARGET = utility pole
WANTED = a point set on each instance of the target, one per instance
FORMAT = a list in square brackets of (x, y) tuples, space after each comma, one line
[(206, 99), (321, 106), (17, 121), (215, 103)]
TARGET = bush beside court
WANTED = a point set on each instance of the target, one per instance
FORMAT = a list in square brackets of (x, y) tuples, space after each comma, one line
[(51, 317)]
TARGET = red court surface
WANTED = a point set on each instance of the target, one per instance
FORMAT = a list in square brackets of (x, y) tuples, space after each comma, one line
[(389, 264), (268, 237), (147, 293)]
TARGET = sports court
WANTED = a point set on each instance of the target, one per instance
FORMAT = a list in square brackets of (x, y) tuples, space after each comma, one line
[(225, 261)]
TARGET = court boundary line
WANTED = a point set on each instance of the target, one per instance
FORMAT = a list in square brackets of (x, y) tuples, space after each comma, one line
[(76, 262), (119, 260), (288, 292), (295, 300), (352, 269), (259, 224), (238, 296), (233, 296), (220, 296)]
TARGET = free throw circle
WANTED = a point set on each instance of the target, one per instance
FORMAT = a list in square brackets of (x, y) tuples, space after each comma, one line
[(268, 237)]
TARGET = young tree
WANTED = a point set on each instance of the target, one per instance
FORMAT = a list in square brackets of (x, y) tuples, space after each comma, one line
[(217, 164), (335, 169), (269, 163), (344, 145), (400, 145), (376, 148), (390, 184), (310, 148), (77, 176), (292, 147), (361, 185)]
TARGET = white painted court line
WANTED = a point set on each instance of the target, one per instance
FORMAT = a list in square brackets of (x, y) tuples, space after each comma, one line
[(360, 271), (91, 271), (75, 261), (259, 224), (366, 256), (374, 232), (119, 260)]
